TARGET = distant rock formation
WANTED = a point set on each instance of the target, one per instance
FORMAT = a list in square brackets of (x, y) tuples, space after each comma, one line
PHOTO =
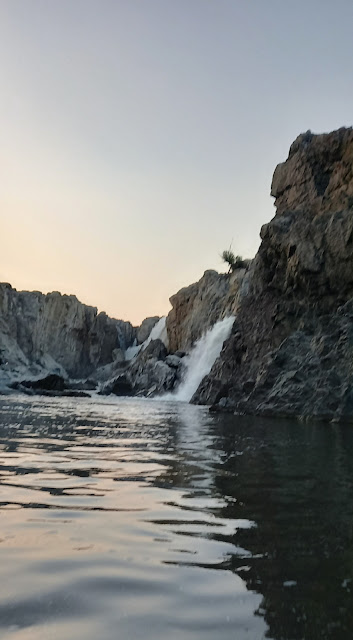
[(57, 334), (291, 347)]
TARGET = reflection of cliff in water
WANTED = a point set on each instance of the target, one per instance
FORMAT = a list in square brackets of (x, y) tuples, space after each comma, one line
[(205, 479), (298, 488), (295, 481)]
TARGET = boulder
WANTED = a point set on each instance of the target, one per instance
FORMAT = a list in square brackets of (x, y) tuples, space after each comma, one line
[(155, 349), (119, 386), (149, 373), (82, 385), (173, 361), (51, 385), (51, 382)]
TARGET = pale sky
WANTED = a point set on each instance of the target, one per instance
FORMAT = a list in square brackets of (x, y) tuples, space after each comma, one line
[(138, 138)]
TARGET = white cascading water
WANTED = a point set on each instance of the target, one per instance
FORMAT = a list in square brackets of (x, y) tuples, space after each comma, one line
[(159, 332), (200, 360)]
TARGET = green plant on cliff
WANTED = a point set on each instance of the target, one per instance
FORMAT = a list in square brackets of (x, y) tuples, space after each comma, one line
[(233, 261)]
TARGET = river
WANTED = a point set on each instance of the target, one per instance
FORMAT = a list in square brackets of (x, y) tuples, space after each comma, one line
[(131, 518)]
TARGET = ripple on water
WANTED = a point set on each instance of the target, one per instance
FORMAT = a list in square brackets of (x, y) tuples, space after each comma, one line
[(136, 519)]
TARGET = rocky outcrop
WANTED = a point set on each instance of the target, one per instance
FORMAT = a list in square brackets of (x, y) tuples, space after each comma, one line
[(119, 386), (56, 333), (51, 385), (199, 306), (145, 328), (154, 372), (290, 352)]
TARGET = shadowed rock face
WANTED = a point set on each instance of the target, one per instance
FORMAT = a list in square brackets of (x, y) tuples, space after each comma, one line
[(291, 344), (197, 307), (56, 331), (151, 373)]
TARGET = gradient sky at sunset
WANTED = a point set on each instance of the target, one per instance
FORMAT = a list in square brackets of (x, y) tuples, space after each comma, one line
[(138, 137)]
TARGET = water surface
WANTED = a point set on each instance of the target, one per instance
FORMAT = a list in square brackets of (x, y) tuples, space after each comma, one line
[(129, 519)]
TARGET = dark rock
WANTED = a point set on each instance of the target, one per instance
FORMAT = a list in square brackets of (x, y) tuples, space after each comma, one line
[(69, 393), (29, 391), (145, 329), (155, 349), (291, 347), (119, 386), (173, 361), (74, 338), (52, 382), (82, 385)]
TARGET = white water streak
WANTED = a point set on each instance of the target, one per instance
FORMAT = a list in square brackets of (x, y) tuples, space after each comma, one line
[(201, 358), (159, 332)]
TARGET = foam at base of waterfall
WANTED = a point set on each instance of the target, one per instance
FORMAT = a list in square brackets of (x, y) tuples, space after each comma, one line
[(201, 359), (159, 332)]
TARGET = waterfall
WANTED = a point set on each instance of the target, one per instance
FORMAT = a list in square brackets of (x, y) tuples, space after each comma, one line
[(201, 358), (131, 352), (159, 332)]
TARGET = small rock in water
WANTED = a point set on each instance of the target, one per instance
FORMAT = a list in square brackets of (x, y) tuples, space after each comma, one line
[(290, 583), (52, 382)]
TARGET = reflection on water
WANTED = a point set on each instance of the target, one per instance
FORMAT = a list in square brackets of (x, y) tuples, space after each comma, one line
[(142, 519)]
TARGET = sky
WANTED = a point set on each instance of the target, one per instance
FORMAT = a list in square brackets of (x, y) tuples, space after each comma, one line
[(138, 138)]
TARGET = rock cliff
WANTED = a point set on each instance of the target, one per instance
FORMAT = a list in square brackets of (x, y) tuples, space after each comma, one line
[(56, 333), (290, 352), (197, 307)]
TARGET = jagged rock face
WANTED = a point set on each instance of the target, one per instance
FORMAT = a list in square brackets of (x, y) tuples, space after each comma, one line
[(150, 373), (35, 327), (310, 374), (318, 174), (307, 249), (197, 307), (299, 284), (145, 328)]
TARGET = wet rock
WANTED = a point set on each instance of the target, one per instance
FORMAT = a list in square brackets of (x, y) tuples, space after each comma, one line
[(82, 385), (49, 383), (119, 386), (155, 349), (68, 393), (173, 361), (28, 389)]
